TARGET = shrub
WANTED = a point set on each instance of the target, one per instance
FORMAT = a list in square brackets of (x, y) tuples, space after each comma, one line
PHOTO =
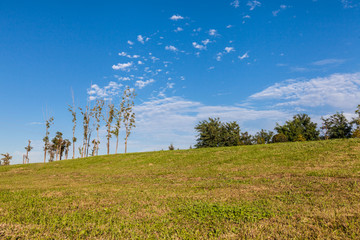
[(280, 137)]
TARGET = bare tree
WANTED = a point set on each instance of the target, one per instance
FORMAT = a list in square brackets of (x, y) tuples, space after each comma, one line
[(109, 119), (86, 122), (28, 148), (97, 115), (48, 123), (118, 113), (128, 114), (72, 109)]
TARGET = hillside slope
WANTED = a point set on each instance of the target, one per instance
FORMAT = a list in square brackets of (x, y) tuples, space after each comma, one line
[(291, 190)]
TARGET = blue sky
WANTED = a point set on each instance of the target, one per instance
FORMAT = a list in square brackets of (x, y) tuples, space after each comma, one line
[(254, 61)]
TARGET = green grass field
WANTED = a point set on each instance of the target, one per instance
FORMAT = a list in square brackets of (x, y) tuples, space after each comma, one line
[(308, 190)]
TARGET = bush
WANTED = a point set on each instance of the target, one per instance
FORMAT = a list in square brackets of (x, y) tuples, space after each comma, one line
[(280, 137), (171, 147), (356, 133)]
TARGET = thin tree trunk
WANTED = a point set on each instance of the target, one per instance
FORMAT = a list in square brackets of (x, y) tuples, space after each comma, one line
[(97, 144), (73, 146), (126, 143), (27, 157), (45, 155), (117, 143)]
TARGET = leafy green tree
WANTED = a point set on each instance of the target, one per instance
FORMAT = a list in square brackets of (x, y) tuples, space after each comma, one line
[(336, 126), (356, 122), (263, 137), (171, 147), (28, 148), (6, 159), (230, 133), (301, 127), (46, 141), (128, 114), (246, 139), (214, 133), (209, 133), (66, 146), (57, 143)]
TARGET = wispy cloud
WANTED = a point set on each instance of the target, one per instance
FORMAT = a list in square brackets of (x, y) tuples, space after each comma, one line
[(350, 3), (172, 119), (276, 12), (106, 92), (245, 55), (235, 3), (328, 62), (337, 90), (253, 4), (141, 84)]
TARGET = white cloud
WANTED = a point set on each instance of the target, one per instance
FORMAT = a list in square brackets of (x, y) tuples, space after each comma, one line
[(141, 84), (213, 32), (176, 17), (245, 55), (178, 29), (337, 90), (198, 46), (123, 78), (229, 26), (229, 49), (328, 62), (219, 56), (246, 16), (253, 4), (122, 66), (140, 38), (123, 54), (276, 12), (130, 42), (171, 48), (235, 3), (96, 92)]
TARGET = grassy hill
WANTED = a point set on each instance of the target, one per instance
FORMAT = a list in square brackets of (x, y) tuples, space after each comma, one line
[(293, 190)]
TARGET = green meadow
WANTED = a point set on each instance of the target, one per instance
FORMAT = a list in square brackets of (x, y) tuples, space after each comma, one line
[(301, 190)]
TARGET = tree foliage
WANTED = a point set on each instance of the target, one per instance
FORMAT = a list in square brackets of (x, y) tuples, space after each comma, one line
[(299, 128), (263, 137), (6, 159), (336, 126)]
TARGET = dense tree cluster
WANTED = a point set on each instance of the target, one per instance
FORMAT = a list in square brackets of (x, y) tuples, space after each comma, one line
[(214, 133)]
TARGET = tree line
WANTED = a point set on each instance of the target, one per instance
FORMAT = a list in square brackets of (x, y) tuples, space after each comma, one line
[(105, 113), (214, 133)]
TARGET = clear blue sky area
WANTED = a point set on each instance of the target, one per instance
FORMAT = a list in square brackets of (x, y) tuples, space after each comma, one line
[(252, 61)]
